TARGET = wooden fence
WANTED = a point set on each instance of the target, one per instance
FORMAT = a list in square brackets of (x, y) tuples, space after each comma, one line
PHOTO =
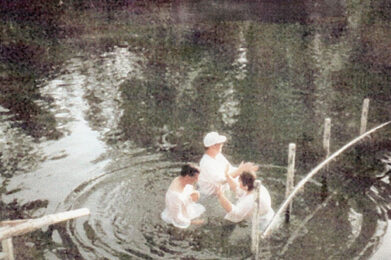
[(292, 191), (11, 228)]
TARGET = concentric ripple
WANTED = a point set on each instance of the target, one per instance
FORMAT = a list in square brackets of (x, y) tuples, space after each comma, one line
[(121, 202), (125, 222), (126, 203)]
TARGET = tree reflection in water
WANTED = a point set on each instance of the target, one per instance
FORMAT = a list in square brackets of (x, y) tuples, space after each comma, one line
[(154, 78)]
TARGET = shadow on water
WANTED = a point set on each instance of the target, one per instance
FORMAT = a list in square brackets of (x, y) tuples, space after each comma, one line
[(149, 81)]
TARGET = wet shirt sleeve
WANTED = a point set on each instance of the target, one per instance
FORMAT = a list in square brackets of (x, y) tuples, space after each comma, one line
[(175, 209), (213, 172), (242, 209), (226, 162)]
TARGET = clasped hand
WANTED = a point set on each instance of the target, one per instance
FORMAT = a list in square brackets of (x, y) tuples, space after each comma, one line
[(218, 190)]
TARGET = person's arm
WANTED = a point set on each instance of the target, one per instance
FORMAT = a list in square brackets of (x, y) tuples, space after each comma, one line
[(225, 203), (179, 215), (241, 209), (231, 182), (198, 221), (191, 193), (195, 196)]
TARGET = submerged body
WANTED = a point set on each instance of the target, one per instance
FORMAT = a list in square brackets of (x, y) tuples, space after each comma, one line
[(244, 207), (180, 208)]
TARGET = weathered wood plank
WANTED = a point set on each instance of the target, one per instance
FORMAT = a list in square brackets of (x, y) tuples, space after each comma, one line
[(290, 178), (313, 172), (364, 116), (255, 220), (14, 222), (8, 249), (34, 224)]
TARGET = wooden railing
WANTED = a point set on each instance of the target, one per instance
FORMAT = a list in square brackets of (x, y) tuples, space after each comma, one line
[(11, 228), (292, 191)]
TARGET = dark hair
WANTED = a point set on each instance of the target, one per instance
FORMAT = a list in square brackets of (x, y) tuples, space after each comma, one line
[(248, 180), (189, 170)]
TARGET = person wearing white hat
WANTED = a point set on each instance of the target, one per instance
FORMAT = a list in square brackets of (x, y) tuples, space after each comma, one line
[(213, 165)]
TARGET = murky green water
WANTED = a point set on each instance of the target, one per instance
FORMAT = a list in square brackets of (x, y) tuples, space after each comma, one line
[(150, 82)]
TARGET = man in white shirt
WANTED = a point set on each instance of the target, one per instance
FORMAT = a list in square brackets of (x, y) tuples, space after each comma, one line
[(213, 165)]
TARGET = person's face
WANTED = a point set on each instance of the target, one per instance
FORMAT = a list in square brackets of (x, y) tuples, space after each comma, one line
[(219, 147), (241, 185), (194, 179)]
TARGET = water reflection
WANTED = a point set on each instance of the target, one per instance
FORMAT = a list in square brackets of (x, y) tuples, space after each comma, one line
[(15, 143), (78, 94), (265, 73)]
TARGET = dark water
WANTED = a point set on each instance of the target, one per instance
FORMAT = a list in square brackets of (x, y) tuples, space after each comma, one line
[(150, 82)]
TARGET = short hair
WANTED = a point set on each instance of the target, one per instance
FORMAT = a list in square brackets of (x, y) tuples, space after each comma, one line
[(189, 170), (248, 179)]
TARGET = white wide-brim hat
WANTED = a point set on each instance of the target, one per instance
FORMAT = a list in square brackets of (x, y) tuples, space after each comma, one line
[(213, 138)]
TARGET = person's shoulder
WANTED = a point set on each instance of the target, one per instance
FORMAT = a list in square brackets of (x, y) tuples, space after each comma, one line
[(249, 196), (205, 159), (174, 186), (221, 158), (263, 189), (220, 155)]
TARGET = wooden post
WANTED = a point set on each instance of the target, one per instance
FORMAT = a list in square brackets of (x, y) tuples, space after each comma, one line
[(312, 173), (290, 178), (8, 249), (255, 221), (34, 224), (326, 136), (364, 116), (326, 147)]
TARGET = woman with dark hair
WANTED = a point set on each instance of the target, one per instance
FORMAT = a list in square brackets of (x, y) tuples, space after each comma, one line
[(245, 205), (181, 207)]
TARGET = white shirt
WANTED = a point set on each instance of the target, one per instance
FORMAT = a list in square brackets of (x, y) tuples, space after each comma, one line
[(213, 173), (180, 208), (244, 207)]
